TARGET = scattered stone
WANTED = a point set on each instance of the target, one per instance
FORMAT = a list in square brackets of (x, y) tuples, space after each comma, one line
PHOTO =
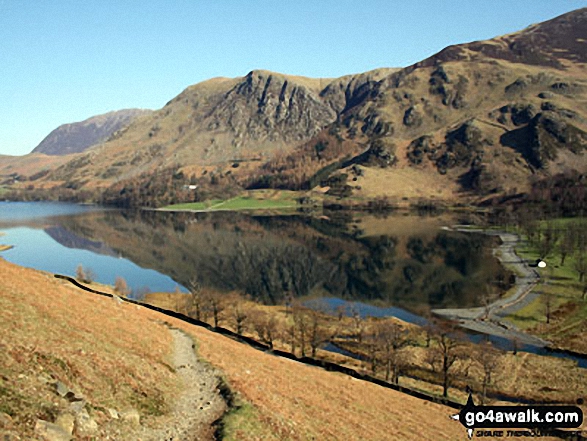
[(117, 299), (85, 424), (77, 406), (5, 420), (66, 421), (545, 95), (51, 432), (61, 389), (113, 413), (131, 416), (10, 436)]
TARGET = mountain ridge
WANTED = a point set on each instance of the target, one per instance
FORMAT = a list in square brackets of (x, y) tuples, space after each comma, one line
[(480, 118), (79, 136)]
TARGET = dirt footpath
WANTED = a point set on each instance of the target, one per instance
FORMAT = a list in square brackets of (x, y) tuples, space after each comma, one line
[(200, 403)]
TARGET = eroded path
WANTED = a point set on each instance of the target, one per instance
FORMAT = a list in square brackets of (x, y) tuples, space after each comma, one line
[(200, 403)]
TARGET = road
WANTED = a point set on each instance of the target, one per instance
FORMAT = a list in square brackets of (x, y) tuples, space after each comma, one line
[(488, 320)]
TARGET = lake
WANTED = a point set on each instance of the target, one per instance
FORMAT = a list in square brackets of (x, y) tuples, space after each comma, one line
[(401, 265), (403, 262)]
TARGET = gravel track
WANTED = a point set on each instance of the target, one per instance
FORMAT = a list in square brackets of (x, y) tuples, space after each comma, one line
[(488, 320)]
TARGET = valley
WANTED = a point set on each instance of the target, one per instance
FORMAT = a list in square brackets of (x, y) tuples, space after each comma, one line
[(283, 257)]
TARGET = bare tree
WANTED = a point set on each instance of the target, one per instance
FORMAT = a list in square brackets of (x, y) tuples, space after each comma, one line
[(290, 335), (197, 306), (318, 332), (358, 322), (445, 352), (265, 325), (121, 287), (84, 274), (216, 304), (488, 358), (302, 326), (548, 238), (566, 245), (238, 312), (390, 338), (372, 353), (580, 265)]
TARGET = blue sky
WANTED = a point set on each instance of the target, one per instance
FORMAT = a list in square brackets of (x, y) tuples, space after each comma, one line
[(64, 61)]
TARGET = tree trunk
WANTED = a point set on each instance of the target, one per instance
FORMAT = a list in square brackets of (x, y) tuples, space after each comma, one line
[(445, 377)]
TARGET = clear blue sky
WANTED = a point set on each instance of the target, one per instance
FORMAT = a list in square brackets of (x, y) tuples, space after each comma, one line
[(66, 60)]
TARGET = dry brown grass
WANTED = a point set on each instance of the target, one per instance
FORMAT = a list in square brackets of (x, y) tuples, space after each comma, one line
[(300, 402), (114, 355), (406, 182), (30, 164)]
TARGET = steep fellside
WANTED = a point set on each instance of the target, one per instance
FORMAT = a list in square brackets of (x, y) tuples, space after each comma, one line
[(481, 118), (219, 121), (475, 120), (79, 136)]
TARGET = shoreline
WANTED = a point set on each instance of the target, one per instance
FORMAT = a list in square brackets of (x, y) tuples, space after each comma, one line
[(488, 320)]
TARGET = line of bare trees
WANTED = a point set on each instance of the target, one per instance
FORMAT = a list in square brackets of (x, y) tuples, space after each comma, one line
[(388, 345)]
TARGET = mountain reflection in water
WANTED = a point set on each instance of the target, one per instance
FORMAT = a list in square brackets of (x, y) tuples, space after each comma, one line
[(402, 261)]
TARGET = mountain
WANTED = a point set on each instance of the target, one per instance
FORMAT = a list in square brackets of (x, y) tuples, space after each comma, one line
[(480, 118), (79, 136), (474, 120), (219, 121)]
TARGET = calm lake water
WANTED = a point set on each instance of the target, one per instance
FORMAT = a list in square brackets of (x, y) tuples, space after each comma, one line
[(400, 265)]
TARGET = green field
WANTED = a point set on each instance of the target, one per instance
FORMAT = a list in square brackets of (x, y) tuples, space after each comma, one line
[(253, 200), (560, 290)]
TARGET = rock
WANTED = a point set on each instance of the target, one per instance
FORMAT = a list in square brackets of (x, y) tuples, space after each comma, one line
[(85, 424), (5, 421), (113, 413), (61, 389), (545, 95), (412, 117), (66, 421), (77, 406), (516, 87), (51, 432), (10, 436), (131, 416)]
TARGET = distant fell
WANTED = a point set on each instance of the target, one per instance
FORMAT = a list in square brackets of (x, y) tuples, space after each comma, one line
[(553, 43), (79, 136)]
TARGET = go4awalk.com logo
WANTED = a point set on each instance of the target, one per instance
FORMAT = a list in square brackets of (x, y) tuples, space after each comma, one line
[(543, 420)]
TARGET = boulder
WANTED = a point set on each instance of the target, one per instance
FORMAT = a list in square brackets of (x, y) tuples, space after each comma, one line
[(412, 118), (51, 432), (85, 424), (66, 421), (131, 416)]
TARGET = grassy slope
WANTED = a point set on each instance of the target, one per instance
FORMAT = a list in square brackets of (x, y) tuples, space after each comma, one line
[(115, 355), (298, 402), (569, 319), (252, 200)]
